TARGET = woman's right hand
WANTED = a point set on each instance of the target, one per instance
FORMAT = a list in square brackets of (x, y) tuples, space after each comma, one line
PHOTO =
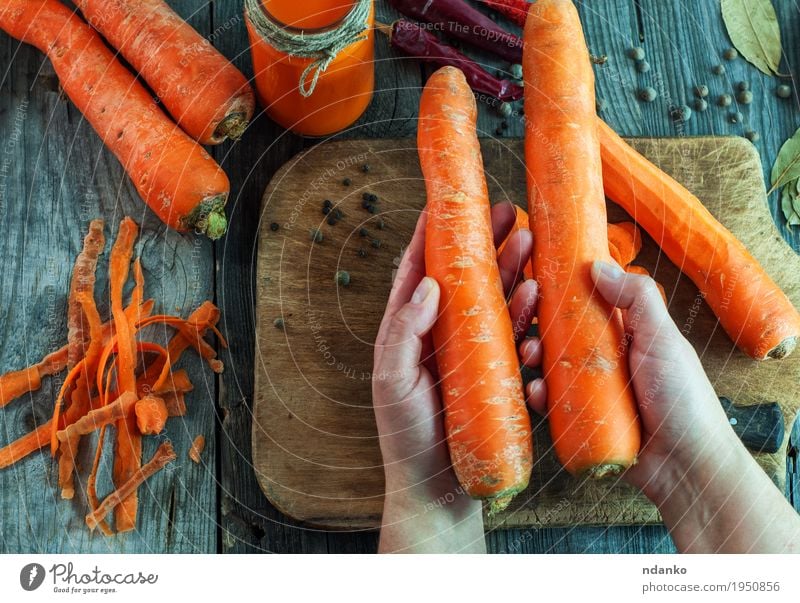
[(711, 493)]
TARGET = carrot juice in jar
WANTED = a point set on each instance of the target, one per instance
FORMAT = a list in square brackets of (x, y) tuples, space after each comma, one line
[(313, 61)]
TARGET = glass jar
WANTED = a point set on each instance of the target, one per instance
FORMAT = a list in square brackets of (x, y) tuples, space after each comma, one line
[(342, 91)]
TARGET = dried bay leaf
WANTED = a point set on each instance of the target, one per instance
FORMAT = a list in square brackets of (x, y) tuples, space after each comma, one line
[(788, 202), (753, 28), (787, 164)]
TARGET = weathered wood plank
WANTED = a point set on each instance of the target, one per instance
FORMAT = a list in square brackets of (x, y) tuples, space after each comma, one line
[(55, 176)]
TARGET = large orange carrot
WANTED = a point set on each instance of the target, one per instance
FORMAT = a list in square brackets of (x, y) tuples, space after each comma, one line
[(208, 97), (591, 410), (488, 427), (751, 308), (175, 176)]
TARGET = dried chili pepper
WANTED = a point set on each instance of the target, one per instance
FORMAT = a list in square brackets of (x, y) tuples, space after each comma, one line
[(419, 43), (460, 20), (516, 10)]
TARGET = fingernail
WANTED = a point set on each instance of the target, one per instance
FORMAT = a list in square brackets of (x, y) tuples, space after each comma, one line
[(422, 291), (607, 269)]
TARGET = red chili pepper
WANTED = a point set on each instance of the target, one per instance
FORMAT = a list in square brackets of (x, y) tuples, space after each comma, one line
[(414, 40), (464, 22), (516, 10)]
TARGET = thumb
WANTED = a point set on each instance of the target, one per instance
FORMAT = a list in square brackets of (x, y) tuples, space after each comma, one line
[(646, 315), (397, 357)]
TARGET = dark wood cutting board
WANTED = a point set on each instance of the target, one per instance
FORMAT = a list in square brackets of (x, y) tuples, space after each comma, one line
[(315, 447)]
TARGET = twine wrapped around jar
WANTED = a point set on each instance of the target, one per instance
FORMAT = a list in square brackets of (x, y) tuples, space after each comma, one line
[(322, 47)]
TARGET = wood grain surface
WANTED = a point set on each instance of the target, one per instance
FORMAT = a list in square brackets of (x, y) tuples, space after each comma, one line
[(314, 441)]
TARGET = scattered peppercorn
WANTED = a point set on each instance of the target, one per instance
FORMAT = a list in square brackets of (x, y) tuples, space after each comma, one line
[(347, 182), (376, 243), (332, 220), (365, 196), (648, 94), (701, 91), (637, 53), (700, 104), (724, 100), (274, 227), (365, 168), (642, 66), (752, 135), (516, 71), (278, 323), (730, 54), (742, 86), (362, 253), (365, 204), (745, 97), (682, 113), (327, 203), (338, 213), (372, 209), (504, 125), (784, 91), (373, 198), (363, 232), (326, 210), (498, 131), (343, 278), (316, 235), (718, 69), (736, 117)]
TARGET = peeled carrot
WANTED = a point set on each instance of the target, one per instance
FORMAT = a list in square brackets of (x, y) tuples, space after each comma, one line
[(591, 409), (208, 97), (174, 175), (151, 415), (488, 426), (752, 309), (27, 444)]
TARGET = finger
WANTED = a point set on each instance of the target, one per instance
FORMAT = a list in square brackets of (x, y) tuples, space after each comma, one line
[(646, 315), (504, 216), (409, 274), (536, 394), (530, 352), (397, 357), (515, 255), (522, 307)]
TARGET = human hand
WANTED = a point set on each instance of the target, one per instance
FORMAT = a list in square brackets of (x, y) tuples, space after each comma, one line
[(425, 508)]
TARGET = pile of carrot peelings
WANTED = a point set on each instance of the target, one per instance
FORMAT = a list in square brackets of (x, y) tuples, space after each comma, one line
[(114, 379)]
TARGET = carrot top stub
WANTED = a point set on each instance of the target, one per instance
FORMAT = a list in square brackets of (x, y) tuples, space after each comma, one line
[(487, 423)]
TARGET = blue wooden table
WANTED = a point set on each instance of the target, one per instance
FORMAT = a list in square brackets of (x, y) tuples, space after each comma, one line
[(55, 176)]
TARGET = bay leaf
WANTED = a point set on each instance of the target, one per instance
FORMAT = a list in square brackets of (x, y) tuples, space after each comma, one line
[(753, 28), (787, 164), (788, 197)]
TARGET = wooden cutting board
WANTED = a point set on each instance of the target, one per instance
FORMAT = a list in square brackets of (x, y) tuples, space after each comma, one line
[(315, 447)]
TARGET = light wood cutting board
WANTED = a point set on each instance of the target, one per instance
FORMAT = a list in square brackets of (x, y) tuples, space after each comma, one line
[(315, 447)]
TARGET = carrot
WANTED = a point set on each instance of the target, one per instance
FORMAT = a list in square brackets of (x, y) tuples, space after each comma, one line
[(91, 483), (626, 239), (174, 175), (198, 445), (752, 309), (128, 457), (163, 456), (592, 413), (100, 417), (206, 95), (151, 415), (488, 427)]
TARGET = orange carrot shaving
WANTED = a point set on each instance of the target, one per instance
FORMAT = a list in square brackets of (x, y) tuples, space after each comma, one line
[(151, 415), (163, 456), (198, 445), (99, 417), (175, 403), (83, 279), (627, 239), (178, 381), (132, 312), (68, 382), (127, 459), (91, 483), (27, 444)]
